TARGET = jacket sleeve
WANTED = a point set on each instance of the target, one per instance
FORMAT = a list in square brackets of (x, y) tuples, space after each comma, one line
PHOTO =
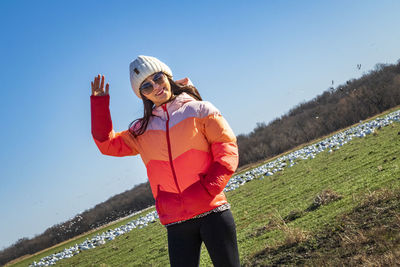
[(109, 142), (224, 150)]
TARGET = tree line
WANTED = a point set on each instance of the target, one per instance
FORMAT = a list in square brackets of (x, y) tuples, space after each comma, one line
[(334, 109)]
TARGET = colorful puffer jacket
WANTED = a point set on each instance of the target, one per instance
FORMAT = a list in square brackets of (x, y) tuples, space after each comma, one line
[(188, 148)]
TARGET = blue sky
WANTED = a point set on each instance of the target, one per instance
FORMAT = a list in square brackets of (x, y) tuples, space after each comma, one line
[(254, 60)]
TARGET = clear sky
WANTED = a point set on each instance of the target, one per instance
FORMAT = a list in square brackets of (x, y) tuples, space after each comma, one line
[(254, 60)]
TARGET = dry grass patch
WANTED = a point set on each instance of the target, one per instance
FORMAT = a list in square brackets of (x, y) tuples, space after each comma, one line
[(369, 235), (325, 197), (293, 215)]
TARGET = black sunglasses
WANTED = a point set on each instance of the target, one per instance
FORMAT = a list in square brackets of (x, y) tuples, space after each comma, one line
[(148, 87)]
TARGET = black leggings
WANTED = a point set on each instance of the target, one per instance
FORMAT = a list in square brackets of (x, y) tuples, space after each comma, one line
[(217, 230)]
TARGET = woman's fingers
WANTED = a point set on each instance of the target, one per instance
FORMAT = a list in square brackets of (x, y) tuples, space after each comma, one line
[(107, 88), (97, 82), (98, 86), (102, 83), (94, 85)]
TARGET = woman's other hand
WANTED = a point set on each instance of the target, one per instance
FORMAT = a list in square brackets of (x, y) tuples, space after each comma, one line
[(98, 86), (183, 82)]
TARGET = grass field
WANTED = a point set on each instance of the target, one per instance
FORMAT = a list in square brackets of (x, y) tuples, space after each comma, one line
[(280, 220)]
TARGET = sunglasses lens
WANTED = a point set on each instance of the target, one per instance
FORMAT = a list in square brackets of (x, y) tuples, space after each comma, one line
[(158, 78), (146, 88)]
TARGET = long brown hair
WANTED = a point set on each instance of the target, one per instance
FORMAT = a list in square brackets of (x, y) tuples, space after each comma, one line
[(140, 125)]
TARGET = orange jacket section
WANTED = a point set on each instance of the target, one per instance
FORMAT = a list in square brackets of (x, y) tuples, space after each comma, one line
[(203, 149)]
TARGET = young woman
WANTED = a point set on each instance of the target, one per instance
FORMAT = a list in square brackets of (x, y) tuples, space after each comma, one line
[(190, 153)]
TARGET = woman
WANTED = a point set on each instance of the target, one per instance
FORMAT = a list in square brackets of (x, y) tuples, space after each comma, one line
[(190, 153)]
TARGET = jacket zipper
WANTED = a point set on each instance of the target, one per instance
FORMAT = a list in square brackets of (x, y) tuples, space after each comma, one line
[(169, 149)]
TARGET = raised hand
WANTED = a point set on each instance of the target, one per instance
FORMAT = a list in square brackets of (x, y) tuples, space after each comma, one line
[(98, 86)]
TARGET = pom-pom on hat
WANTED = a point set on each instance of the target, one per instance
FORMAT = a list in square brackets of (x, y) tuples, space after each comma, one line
[(143, 67)]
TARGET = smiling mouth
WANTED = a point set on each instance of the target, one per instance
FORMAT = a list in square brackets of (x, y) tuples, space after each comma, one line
[(160, 92)]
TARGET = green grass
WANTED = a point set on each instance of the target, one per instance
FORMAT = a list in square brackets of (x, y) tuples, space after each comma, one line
[(353, 172), (77, 240)]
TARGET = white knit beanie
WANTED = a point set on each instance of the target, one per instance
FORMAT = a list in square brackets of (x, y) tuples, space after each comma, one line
[(143, 67)]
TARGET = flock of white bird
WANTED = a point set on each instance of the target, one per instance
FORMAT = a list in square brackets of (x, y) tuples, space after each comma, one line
[(331, 144), (99, 239)]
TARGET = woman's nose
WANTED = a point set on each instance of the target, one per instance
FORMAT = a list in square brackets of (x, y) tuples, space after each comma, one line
[(156, 85)]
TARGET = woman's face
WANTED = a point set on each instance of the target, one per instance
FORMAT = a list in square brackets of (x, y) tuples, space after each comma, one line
[(161, 92)]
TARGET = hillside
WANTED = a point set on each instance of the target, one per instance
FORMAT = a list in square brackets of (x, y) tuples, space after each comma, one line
[(335, 109), (339, 208)]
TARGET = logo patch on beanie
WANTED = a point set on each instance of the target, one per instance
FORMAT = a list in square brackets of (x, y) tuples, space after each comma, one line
[(136, 71)]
